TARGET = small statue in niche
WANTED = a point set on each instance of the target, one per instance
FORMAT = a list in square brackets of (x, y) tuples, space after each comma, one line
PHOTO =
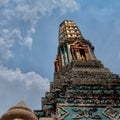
[(82, 53), (82, 57)]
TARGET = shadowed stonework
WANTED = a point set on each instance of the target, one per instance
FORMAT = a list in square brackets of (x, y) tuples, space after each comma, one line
[(83, 89)]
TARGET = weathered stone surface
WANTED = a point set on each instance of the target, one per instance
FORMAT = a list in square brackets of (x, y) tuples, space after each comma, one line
[(45, 118), (82, 88)]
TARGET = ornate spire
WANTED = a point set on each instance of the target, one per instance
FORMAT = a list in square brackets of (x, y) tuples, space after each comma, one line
[(72, 45), (68, 30)]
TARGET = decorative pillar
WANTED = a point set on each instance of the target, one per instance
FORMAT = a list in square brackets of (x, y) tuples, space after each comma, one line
[(78, 54), (69, 53), (60, 61), (73, 56), (57, 66), (87, 54), (65, 55), (62, 57)]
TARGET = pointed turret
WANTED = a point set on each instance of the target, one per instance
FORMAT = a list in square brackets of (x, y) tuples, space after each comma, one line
[(72, 46), (68, 31)]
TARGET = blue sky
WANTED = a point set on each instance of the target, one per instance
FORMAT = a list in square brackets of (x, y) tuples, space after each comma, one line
[(29, 40)]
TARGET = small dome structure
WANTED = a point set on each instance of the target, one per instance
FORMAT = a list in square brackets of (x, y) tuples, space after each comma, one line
[(19, 112)]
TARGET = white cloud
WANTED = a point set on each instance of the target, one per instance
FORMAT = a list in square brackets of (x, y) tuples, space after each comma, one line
[(16, 85), (20, 17), (28, 79), (7, 41), (28, 42), (70, 5)]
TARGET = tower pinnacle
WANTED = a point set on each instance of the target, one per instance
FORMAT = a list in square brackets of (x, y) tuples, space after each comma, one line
[(72, 46), (68, 30)]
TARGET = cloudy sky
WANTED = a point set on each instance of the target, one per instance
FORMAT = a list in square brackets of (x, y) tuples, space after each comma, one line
[(29, 40)]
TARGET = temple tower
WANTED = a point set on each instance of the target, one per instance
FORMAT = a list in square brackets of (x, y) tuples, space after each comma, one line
[(83, 89), (72, 46)]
